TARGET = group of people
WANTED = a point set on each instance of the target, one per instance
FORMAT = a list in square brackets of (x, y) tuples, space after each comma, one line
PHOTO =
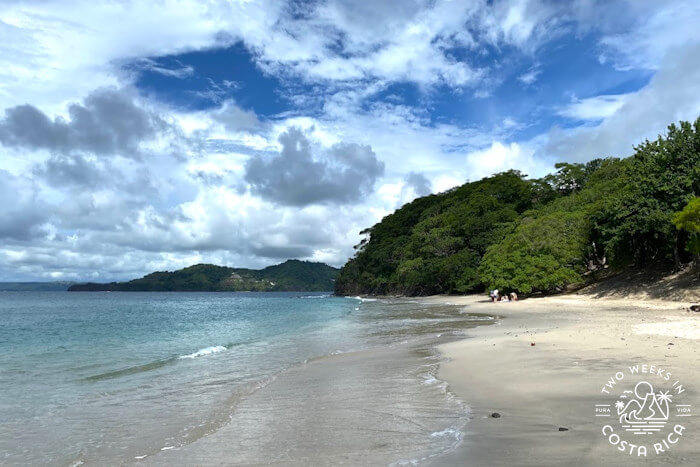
[(497, 297)]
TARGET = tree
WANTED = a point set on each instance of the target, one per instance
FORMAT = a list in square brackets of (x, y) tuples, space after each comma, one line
[(544, 254), (689, 220), (434, 244), (572, 177), (539, 235), (635, 224)]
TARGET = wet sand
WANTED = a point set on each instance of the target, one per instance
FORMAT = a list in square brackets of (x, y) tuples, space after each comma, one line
[(411, 403), (579, 343), (378, 406), (361, 408)]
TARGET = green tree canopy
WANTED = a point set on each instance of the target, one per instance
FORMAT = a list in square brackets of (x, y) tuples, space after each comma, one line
[(512, 233), (689, 220)]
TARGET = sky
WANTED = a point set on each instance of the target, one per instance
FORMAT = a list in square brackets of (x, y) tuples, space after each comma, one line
[(151, 135)]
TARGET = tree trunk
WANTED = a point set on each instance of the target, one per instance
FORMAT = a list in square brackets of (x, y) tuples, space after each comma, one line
[(676, 253)]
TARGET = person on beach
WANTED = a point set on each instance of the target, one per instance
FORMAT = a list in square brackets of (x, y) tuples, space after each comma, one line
[(494, 295), (513, 297), (505, 298)]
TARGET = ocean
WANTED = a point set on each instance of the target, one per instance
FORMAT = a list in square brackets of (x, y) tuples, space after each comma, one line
[(168, 378)]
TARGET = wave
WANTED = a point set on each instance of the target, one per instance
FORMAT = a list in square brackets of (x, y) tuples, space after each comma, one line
[(314, 296), (154, 365), (363, 299), (204, 351), (131, 370)]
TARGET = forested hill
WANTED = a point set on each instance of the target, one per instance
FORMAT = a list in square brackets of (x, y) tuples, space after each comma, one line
[(540, 235), (292, 275)]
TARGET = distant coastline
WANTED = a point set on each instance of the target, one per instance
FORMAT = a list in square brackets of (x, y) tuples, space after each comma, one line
[(290, 276), (56, 286)]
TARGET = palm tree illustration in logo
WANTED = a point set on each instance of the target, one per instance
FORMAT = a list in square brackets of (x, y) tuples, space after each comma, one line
[(647, 408)]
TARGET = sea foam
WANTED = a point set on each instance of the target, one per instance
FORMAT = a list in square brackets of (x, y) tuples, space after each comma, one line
[(447, 432), (363, 299), (205, 351)]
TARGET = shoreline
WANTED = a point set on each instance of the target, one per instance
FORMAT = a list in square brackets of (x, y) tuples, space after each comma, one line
[(424, 379), (377, 405), (579, 343)]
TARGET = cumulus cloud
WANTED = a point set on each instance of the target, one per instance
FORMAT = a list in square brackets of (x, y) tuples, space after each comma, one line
[(22, 216), (500, 157), (342, 174), (413, 185), (235, 119), (419, 183), (241, 196), (342, 41), (108, 122), (106, 239), (61, 170), (50, 50)]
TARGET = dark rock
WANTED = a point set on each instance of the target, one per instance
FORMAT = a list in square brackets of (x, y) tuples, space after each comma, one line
[(532, 344), (695, 308), (670, 343), (563, 428), (495, 415)]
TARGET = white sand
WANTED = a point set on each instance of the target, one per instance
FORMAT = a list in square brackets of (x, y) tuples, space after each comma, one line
[(684, 329), (580, 342)]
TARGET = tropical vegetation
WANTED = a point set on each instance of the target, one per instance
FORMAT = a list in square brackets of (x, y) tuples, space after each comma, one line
[(540, 235), (292, 275)]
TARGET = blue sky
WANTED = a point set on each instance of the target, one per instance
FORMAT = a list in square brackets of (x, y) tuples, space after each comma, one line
[(527, 87), (140, 136)]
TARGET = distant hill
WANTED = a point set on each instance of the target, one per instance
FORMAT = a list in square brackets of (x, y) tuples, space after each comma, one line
[(57, 286), (292, 275)]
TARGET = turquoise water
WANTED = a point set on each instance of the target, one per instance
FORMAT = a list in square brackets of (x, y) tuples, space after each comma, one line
[(106, 377)]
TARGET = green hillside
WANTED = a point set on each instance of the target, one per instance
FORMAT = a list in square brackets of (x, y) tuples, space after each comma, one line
[(540, 235), (292, 275)]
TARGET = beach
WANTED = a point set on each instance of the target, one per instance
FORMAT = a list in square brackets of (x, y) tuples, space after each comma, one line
[(383, 406), (290, 379), (542, 369)]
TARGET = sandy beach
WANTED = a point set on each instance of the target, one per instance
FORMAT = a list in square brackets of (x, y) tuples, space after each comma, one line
[(543, 367)]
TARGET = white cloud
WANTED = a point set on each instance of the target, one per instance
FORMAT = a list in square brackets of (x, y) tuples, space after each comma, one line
[(673, 94), (500, 157), (79, 214), (181, 71), (54, 51), (530, 76), (296, 177), (51, 51), (593, 108), (657, 28)]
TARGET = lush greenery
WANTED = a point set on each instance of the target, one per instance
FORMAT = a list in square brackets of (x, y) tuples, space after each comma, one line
[(539, 235), (689, 221), (292, 275)]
